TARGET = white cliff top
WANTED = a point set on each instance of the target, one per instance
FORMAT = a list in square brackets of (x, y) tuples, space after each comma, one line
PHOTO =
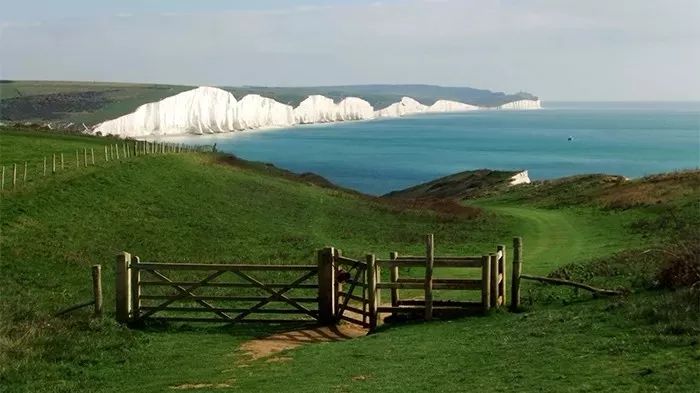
[(450, 106), (406, 106)]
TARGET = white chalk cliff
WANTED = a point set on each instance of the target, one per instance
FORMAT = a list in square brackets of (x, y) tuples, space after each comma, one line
[(450, 106), (407, 106), (254, 111), (204, 110), (354, 108), (522, 105), (207, 110), (315, 109), (320, 109), (519, 178)]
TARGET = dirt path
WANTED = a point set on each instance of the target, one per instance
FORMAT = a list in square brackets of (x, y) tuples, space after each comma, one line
[(271, 345)]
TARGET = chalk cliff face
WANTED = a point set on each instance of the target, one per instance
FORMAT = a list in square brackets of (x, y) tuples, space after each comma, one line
[(354, 108), (207, 110), (407, 106), (254, 111), (320, 109), (450, 106), (522, 105), (316, 109), (519, 178), (204, 110)]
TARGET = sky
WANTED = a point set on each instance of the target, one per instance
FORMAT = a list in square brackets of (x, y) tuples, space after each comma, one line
[(593, 50)]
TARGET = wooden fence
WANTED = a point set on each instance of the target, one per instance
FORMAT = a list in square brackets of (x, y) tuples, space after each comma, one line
[(167, 291), (336, 288), (16, 175)]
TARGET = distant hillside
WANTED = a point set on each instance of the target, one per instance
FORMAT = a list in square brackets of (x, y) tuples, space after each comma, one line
[(63, 102), (463, 185), (381, 96)]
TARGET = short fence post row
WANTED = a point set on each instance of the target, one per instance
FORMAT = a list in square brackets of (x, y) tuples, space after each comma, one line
[(112, 152)]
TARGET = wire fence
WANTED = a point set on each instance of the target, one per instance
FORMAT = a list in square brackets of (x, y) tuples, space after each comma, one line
[(16, 175)]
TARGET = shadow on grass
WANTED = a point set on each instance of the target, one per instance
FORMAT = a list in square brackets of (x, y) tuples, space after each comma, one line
[(232, 329)]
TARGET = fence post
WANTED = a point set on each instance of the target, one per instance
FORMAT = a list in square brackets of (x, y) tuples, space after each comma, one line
[(372, 290), (85, 156), (106, 155), (77, 159), (25, 173), (62, 162), (135, 290), (502, 272), (429, 261), (97, 289), (485, 283), (53, 164), (123, 287), (92, 154), (44, 165), (2, 182), (14, 176), (517, 270), (116, 149), (493, 261), (394, 278), (326, 285)]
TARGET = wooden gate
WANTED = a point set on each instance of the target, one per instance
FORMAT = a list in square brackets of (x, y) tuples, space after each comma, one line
[(249, 293), (335, 289), (351, 290)]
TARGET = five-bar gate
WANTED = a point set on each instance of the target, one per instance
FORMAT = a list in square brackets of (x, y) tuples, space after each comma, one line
[(336, 288)]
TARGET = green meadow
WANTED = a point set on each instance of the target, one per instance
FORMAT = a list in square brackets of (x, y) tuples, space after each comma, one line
[(207, 207)]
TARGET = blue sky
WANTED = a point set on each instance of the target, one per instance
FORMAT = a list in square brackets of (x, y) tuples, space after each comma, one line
[(557, 49)]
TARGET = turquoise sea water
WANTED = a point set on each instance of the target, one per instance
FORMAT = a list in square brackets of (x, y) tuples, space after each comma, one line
[(630, 139)]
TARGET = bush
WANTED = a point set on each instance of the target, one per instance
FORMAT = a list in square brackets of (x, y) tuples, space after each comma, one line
[(681, 267)]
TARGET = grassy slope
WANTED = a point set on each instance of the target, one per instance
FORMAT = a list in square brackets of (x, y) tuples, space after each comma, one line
[(194, 208)]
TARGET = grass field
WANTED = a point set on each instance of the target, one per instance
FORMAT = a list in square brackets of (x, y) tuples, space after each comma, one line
[(203, 208)]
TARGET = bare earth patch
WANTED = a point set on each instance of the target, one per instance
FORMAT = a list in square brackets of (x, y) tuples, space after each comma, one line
[(193, 386), (270, 345)]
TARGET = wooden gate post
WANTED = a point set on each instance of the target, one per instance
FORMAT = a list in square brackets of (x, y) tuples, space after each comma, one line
[(517, 270), (429, 262), (326, 286), (493, 262), (372, 290), (485, 283), (97, 289), (135, 290), (123, 287), (502, 271), (394, 278)]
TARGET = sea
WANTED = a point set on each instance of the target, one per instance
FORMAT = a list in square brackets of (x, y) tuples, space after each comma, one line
[(632, 139)]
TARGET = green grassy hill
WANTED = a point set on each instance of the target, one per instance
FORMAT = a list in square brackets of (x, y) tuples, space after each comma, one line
[(211, 208)]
